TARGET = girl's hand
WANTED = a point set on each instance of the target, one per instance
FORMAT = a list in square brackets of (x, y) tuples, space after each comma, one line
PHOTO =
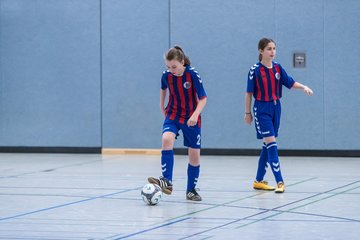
[(248, 118), (192, 120), (308, 91)]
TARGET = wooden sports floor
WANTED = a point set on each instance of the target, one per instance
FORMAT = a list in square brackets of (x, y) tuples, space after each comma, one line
[(93, 196)]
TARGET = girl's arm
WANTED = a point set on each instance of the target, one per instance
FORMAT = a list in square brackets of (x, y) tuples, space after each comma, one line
[(194, 117), (306, 89), (162, 101), (248, 117)]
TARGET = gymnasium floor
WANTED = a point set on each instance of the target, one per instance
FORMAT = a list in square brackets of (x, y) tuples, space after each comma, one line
[(66, 196)]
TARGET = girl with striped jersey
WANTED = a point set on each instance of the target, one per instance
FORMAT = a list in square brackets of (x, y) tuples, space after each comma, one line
[(265, 81), (187, 98)]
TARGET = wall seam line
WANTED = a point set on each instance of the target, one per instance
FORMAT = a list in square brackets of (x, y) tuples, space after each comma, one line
[(101, 75)]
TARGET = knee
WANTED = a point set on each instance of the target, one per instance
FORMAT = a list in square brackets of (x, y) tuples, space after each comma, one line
[(167, 142), (194, 162), (268, 140), (194, 157)]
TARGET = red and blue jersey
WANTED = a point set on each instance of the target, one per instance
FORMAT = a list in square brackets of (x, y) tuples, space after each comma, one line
[(184, 92), (266, 83)]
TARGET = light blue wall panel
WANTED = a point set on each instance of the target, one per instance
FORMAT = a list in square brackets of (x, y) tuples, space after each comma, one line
[(221, 39), (300, 28), (87, 73), (50, 73), (135, 34), (342, 74)]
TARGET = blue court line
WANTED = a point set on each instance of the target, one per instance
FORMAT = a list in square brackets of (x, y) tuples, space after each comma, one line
[(318, 194), (271, 220), (223, 225), (276, 214), (49, 170), (287, 211), (41, 195), (330, 196), (307, 203), (319, 215), (149, 229), (34, 238), (63, 195), (251, 216), (313, 201), (60, 188), (66, 204), (57, 195), (216, 205), (236, 200), (298, 220)]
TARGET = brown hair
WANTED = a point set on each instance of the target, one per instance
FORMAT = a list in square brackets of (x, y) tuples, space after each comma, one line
[(176, 53), (263, 43)]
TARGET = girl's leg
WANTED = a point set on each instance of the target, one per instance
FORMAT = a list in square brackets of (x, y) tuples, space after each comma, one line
[(273, 157), (263, 159), (193, 168), (167, 163), (260, 184), (193, 174), (167, 155)]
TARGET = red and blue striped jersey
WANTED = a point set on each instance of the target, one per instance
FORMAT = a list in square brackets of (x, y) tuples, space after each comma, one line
[(184, 92), (266, 83)]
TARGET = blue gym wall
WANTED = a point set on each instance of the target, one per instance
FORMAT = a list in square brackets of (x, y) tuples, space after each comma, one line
[(78, 73), (50, 71)]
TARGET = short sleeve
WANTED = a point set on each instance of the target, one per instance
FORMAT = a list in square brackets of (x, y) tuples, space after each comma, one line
[(197, 81), (250, 81), (164, 84), (286, 80)]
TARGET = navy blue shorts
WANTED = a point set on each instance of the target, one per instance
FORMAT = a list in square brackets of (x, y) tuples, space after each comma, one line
[(267, 118), (192, 135)]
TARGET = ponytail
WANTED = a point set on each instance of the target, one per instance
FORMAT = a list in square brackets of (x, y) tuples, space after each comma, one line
[(177, 53)]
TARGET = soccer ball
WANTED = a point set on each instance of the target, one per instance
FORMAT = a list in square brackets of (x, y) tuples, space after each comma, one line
[(151, 194)]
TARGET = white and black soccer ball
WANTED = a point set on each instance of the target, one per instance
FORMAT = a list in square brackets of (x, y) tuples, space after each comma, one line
[(151, 194)]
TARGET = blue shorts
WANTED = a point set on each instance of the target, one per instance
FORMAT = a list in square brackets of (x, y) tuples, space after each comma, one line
[(192, 135), (267, 118)]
